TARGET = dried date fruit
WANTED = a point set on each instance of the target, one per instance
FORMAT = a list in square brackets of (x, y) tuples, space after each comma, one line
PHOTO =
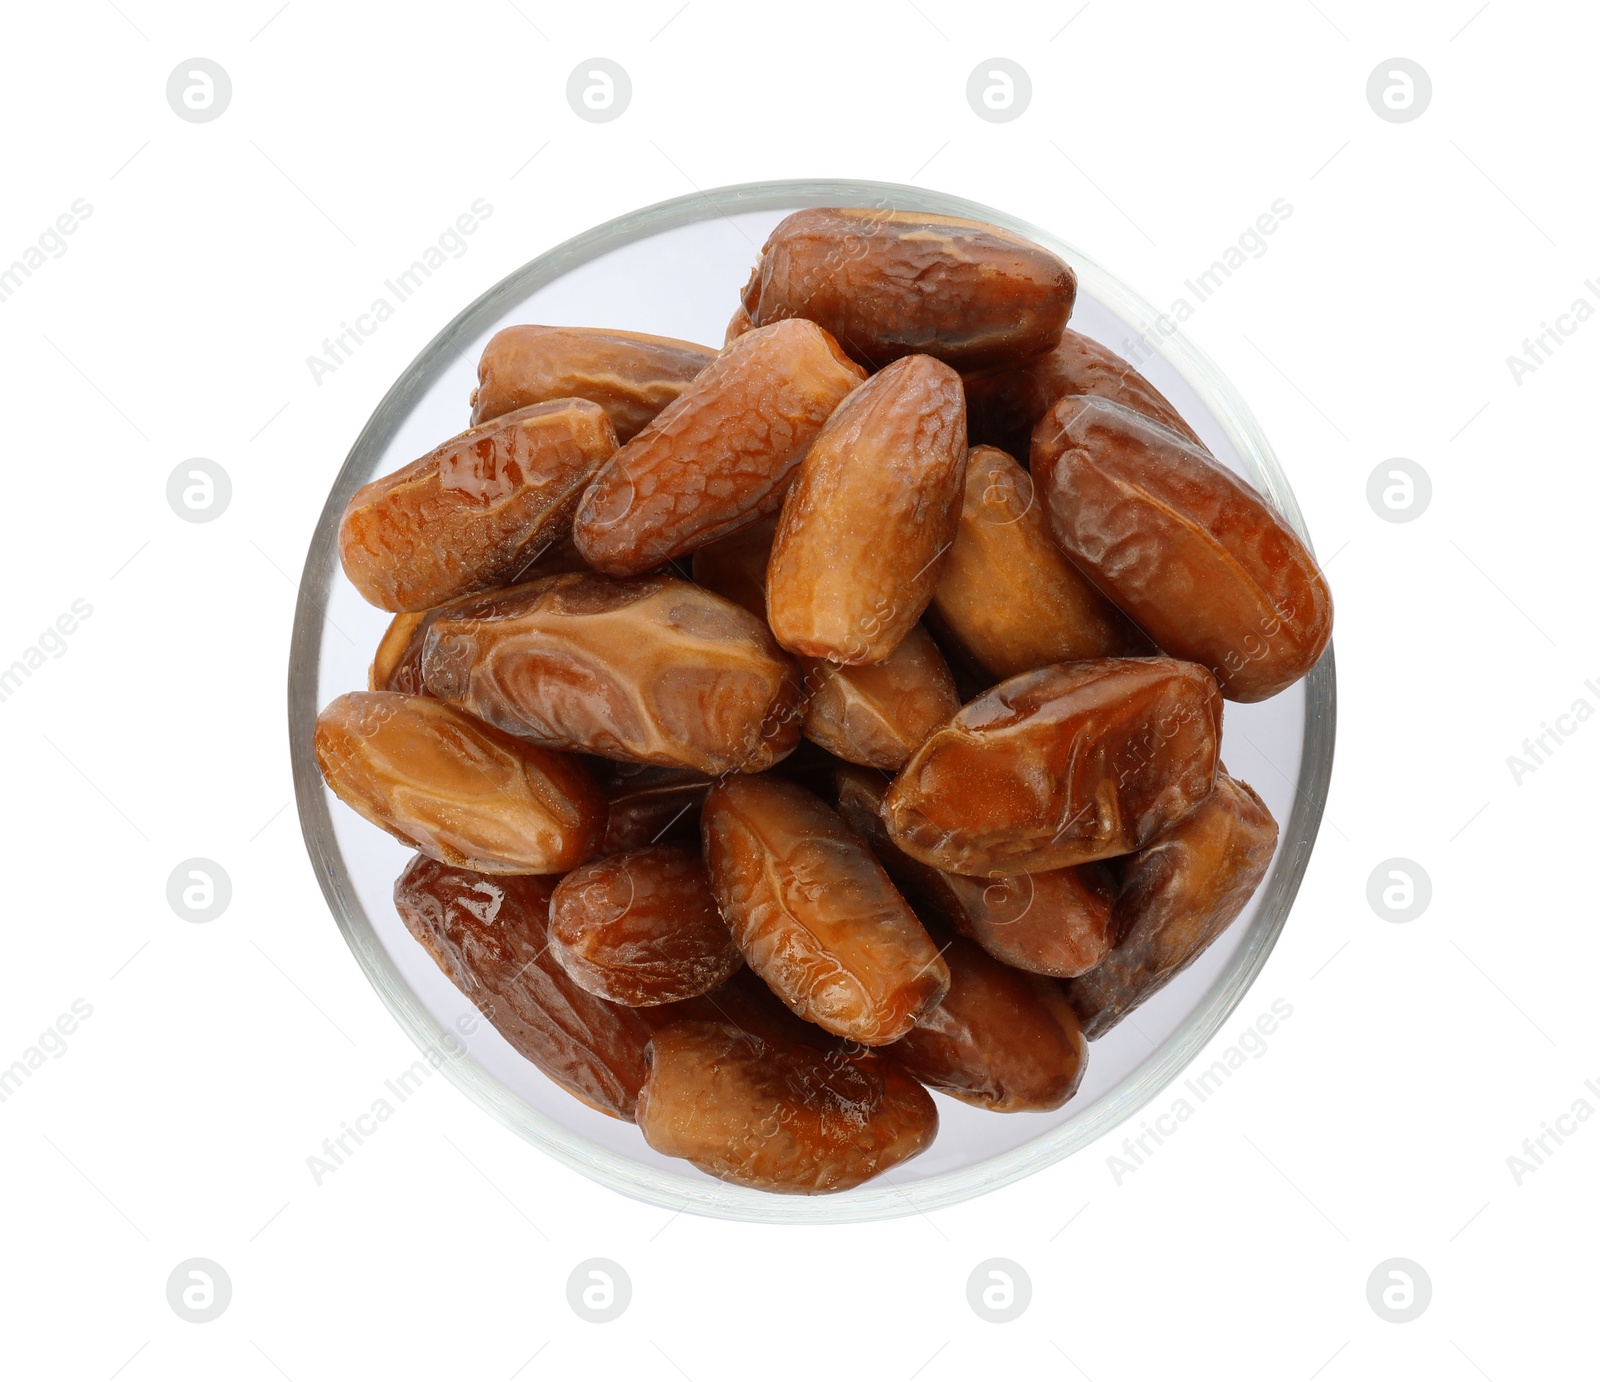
[(1005, 403), (650, 804), (870, 516), (814, 914), (641, 928), (735, 567), (1057, 923), (1060, 766), (633, 377), (777, 1116), (471, 514), (655, 670), (397, 663), (488, 934), (720, 456), (894, 283), (459, 791), (1007, 594), (1001, 1040), (738, 324), (877, 715), (744, 1001), (1187, 549), (1178, 896)]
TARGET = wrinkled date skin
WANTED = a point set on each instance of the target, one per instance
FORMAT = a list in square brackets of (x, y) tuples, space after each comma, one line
[(459, 791), (472, 514), (488, 935), (654, 670), (642, 928), (745, 1002), (1007, 594), (877, 715), (870, 516), (633, 377), (1192, 554), (779, 1117), (1004, 404), (1178, 896), (719, 457), (1060, 766), (814, 914), (894, 283), (1057, 923), (1001, 1040), (649, 804)]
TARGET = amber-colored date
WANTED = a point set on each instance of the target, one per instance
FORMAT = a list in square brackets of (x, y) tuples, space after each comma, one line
[(814, 914), (744, 1001), (720, 456), (735, 567), (649, 803), (1178, 896), (488, 935), (1007, 594), (1188, 550), (397, 662), (642, 928), (655, 670), (633, 377), (895, 283), (878, 714), (1058, 922), (1060, 766), (473, 513), (460, 791), (1005, 403), (1004, 1041), (779, 1116), (870, 516)]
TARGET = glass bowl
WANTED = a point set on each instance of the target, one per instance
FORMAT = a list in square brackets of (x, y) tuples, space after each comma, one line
[(675, 269)]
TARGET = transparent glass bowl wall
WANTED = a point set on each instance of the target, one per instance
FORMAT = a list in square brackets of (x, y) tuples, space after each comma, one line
[(676, 269)]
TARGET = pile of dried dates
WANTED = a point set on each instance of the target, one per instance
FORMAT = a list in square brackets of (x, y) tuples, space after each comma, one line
[(791, 729)]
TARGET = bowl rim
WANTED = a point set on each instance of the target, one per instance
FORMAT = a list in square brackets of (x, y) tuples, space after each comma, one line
[(876, 1199)]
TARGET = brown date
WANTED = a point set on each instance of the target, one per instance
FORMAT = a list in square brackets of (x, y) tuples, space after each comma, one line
[(813, 912), (1071, 763), (471, 514), (641, 928), (655, 670), (633, 377), (459, 791), (735, 567), (870, 516), (720, 456), (743, 1001), (1187, 549), (1057, 923), (1003, 404), (649, 803), (738, 324), (779, 1116), (1007, 594), (397, 663), (488, 934), (877, 715), (894, 283), (1001, 1040), (1178, 896)]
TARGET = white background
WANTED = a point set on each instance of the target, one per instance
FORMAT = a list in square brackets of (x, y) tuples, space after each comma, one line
[(1377, 1124)]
